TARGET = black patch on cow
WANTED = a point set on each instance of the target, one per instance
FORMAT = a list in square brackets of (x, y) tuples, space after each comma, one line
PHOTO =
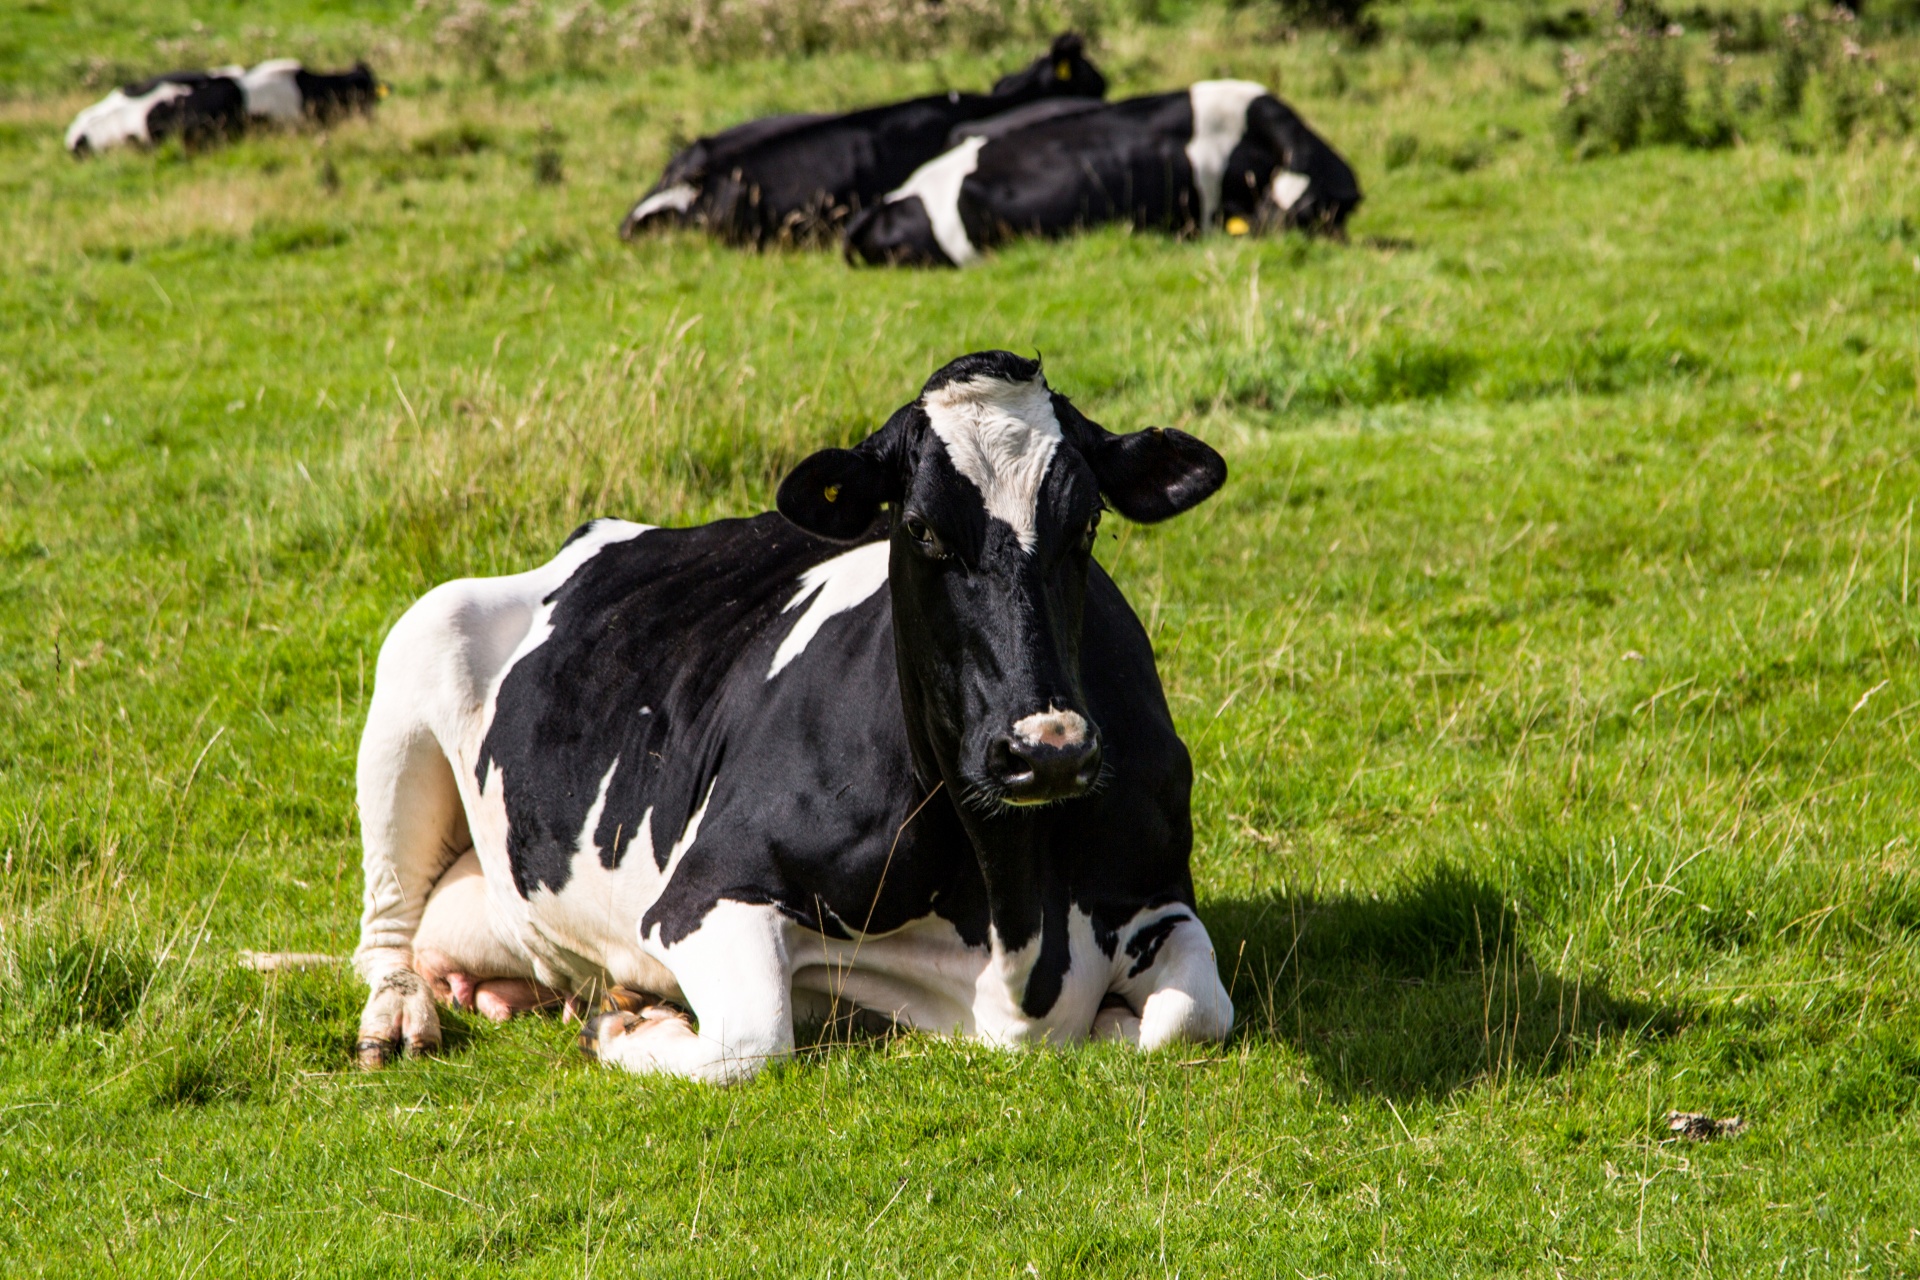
[(801, 178), (214, 109), (1144, 945), (328, 97)]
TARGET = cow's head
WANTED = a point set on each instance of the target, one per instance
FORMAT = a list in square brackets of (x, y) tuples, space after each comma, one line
[(1283, 174), (1063, 71), (994, 485)]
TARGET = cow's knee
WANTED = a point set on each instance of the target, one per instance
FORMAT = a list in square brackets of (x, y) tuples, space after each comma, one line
[(399, 1015)]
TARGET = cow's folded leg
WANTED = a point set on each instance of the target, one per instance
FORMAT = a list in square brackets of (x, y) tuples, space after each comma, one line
[(399, 1015), (734, 972), (1116, 1021), (1179, 995)]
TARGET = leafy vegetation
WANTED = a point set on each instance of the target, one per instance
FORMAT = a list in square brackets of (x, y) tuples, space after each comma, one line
[(1549, 665)]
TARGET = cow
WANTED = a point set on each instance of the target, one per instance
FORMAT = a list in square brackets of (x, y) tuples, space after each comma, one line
[(898, 747), (210, 106), (1221, 153), (283, 91), (198, 107), (798, 177)]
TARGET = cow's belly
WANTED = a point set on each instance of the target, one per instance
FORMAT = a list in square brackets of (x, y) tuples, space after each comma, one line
[(925, 976)]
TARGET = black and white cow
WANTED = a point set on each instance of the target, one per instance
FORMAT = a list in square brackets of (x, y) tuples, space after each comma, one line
[(198, 107), (1223, 153), (284, 91), (900, 747), (209, 106), (799, 177)]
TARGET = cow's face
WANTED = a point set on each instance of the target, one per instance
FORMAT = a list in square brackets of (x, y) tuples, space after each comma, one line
[(1062, 72), (995, 486), (1284, 175)]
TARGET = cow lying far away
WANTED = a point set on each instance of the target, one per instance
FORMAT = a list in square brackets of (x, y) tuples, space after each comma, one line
[(201, 107), (900, 748), (1223, 153), (799, 177)]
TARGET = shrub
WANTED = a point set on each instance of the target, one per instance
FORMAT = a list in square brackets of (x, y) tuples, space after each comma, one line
[(1633, 92)]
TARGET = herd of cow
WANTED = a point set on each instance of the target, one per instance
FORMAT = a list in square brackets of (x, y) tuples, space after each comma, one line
[(931, 181), (899, 746)]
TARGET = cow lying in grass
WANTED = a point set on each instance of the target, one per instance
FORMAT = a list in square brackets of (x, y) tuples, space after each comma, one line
[(203, 107), (900, 747), (1224, 153), (798, 177)]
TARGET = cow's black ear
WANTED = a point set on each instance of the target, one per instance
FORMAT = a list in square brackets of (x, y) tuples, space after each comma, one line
[(835, 494), (1154, 474)]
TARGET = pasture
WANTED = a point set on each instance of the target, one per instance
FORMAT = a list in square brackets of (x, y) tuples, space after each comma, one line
[(1549, 662)]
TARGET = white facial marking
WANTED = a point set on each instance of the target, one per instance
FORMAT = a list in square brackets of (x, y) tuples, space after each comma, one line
[(272, 91), (937, 183), (836, 586), (678, 198), (1001, 436), (1219, 122), (1288, 187), (1052, 728), (117, 118)]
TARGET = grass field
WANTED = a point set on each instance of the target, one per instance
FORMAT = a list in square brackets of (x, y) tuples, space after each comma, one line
[(1549, 665)]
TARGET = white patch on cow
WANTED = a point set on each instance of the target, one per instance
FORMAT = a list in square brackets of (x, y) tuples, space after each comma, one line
[(1051, 728), (1288, 187), (1219, 122), (837, 585), (688, 834), (1000, 435), (117, 118), (1179, 996), (937, 183), (273, 92), (734, 971), (679, 198)]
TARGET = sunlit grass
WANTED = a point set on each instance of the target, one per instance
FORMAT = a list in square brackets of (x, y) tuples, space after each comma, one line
[(1548, 663)]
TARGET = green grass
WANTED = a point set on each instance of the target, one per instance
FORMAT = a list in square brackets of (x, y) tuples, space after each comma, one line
[(1549, 665)]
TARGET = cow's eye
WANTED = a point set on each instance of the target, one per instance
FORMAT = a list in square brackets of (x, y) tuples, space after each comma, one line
[(917, 530), (1092, 530)]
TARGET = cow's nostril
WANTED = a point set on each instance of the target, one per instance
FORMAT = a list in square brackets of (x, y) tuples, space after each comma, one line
[(1035, 772)]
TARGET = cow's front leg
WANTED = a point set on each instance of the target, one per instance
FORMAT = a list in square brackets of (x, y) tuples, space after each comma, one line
[(1169, 979), (734, 972)]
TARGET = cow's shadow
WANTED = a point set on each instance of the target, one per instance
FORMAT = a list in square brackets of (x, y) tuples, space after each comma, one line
[(1413, 992)]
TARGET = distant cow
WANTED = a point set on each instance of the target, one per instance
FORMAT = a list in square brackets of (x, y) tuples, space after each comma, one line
[(284, 91), (198, 107), (1222, 153), (900, 747), (799, 177), (209, 106)]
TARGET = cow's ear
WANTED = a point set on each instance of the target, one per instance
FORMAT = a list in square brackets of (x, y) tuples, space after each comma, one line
[(836, 493), (1149, 475)]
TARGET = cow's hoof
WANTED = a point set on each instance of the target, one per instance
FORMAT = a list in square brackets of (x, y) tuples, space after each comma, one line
[(627, 1000), (601, 1030), (399, 1012)]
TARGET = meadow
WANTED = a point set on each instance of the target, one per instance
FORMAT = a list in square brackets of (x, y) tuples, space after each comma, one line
[(1549, 662)]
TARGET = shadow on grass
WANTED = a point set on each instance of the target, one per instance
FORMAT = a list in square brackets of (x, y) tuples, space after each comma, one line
[(1412, 993)]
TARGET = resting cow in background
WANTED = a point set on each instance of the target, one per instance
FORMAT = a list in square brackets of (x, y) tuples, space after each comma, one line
[(210, 106), (284, 91), (198, 107), (800, 177), (1223, 153), (900, 747)]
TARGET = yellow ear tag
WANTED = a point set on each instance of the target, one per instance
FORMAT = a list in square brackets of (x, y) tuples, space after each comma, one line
[(382, 91), (833, 493), (1237, 226), (1063, 70)]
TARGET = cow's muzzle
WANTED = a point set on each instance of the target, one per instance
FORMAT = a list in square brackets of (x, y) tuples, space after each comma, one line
[(1052, 755)]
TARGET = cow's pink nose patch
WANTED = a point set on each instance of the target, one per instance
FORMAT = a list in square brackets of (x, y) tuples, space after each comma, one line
[(1058, 729)]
